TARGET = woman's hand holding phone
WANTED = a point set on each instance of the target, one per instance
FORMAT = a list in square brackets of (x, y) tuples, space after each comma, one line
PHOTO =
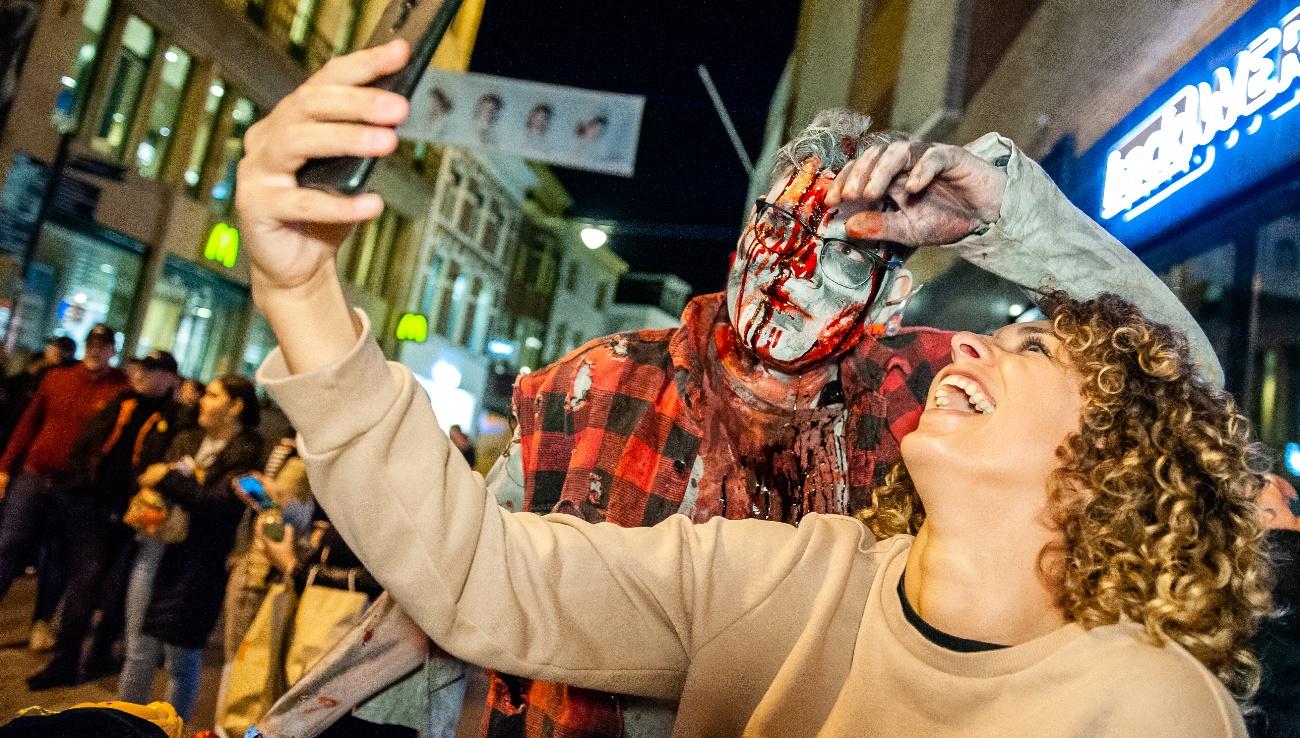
[(292, 233)]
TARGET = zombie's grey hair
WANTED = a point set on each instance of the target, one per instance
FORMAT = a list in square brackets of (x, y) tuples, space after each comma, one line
[(834, 136)]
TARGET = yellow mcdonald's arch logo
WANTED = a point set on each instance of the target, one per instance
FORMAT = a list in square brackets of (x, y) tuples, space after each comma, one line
[(413, 327), (223, 245)]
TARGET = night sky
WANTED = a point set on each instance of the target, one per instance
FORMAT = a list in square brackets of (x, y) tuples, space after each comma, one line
[(687, 172)]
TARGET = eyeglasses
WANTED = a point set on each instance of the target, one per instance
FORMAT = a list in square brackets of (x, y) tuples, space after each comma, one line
[(849, 264)]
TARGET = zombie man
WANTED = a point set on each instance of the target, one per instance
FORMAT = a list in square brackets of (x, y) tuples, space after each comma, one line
[(782, 396)]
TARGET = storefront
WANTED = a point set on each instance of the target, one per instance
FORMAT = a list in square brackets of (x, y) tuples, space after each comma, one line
[(199, 317), (80, 276), (1200, 180)]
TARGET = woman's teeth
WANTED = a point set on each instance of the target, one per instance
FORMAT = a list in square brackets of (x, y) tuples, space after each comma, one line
[(972, 397)]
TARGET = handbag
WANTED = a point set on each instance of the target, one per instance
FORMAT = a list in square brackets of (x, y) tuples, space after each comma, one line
[(325, 615), (256, 676), (154, 516)]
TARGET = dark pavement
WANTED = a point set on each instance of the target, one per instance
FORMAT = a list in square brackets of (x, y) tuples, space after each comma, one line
[(17, 663)]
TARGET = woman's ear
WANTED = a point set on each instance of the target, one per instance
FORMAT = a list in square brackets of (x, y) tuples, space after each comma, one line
[(235, 409)]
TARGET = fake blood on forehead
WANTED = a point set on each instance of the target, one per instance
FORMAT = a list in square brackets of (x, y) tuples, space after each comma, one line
[(792, 257)]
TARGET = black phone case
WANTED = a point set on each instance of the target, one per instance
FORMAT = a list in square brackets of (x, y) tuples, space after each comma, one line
[(422, 23)]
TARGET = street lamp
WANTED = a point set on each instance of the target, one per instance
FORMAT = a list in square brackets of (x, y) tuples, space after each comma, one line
[(593, 238)]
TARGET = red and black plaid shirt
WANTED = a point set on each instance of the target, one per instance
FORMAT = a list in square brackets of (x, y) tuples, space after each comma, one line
[(611, 433)]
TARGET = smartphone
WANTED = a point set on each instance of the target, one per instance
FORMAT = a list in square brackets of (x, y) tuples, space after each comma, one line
[(256, 492), (422, 23), (273, 526)]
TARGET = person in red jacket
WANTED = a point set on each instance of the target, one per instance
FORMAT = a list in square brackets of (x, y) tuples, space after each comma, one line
[(37, 461)]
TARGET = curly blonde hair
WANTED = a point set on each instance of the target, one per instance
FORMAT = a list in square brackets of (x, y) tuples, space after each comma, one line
[(1154, 496)]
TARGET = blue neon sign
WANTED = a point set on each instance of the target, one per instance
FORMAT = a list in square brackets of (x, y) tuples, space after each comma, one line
[(1223, 123)]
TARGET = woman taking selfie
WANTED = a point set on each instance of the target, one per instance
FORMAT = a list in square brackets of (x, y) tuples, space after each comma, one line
[(1071, 550)]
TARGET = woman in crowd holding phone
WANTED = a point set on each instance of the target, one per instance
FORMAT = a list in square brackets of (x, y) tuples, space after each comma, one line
[(279, 492), (169, 622)]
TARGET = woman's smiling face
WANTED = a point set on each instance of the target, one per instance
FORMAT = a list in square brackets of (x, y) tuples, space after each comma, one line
[(1000, 411)]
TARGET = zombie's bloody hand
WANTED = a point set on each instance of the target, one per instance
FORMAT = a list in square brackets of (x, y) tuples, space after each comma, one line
[(931, 194)]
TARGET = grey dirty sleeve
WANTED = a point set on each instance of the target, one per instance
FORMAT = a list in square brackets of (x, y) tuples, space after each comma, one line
[(1041, 240), (505, 480)]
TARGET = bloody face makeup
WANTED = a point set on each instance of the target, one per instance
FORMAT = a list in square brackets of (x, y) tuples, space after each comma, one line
[(783, 307)]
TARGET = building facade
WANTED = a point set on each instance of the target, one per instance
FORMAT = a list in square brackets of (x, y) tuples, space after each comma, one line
[(584, 292), (136, 109), (647, 301), (459, 287)]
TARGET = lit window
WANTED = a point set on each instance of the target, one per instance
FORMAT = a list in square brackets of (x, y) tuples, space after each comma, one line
[(74, 85), (446, 297), (451, 193), (152, 152), (345, 30), (203, 137), (300, 30), (223, 192), (127, 81)]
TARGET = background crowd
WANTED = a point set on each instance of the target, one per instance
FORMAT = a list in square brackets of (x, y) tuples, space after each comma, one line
[(122, 495)]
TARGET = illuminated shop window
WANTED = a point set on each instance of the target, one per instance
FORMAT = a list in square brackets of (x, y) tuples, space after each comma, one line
[(151, 154), (74, 86), (79, 278), (203, 137), (260, 342), (126, 83), (197, 317)]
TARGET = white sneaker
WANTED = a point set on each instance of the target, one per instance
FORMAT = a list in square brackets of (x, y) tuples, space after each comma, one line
[(42, 637)]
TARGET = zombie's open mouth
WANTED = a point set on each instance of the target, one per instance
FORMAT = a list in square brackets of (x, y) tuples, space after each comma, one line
[(962, 394)]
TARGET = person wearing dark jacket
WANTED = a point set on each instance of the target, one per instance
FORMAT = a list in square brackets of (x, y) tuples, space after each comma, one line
[(37, 462), (171, 623), (115, 446)]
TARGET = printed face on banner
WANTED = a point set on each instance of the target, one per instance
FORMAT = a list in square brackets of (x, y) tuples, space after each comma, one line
[(583, 129), (782, 304)]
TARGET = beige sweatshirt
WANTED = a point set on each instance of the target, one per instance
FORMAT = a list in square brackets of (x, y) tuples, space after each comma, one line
[(758, 628)]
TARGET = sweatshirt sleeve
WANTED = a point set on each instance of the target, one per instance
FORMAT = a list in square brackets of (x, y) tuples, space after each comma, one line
[(1042, 240), (548, 597)]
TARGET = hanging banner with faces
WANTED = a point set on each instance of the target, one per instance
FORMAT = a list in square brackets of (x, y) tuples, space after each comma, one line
[(567, 126)]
